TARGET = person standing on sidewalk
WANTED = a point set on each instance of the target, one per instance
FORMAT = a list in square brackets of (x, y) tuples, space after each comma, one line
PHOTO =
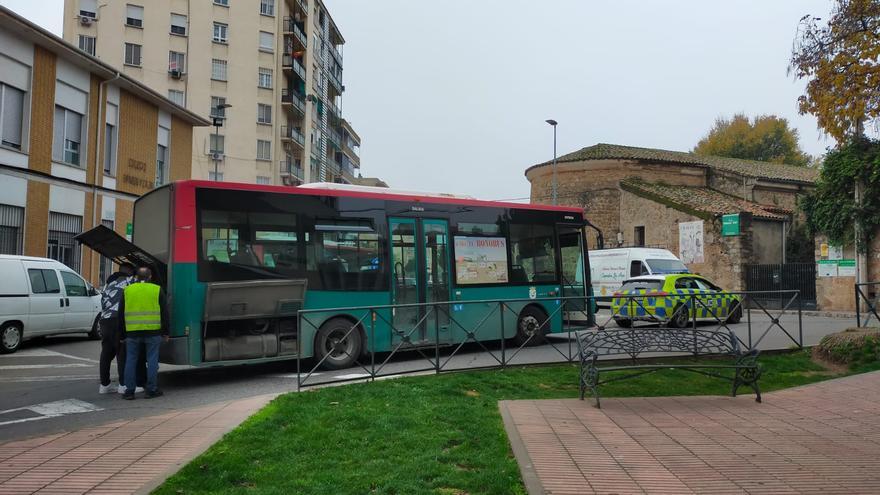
[(111, 332), (144, 313)]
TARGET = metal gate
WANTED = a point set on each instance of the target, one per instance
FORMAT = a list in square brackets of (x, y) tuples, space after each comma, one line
[(777, 277)]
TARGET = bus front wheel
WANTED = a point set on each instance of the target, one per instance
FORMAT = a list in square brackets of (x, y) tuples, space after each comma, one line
[(531, 327), (337, 344)]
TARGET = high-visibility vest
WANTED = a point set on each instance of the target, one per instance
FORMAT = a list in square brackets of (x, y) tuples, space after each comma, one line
[(142, 311)]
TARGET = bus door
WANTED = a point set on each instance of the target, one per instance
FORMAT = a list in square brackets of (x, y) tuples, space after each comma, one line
[(571, 256), (419, 274)]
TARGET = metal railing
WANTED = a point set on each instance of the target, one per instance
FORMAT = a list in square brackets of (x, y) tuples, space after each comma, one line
[(291, 133), (292, 27), (295, 99), (866, 297), (435, 334), (288, 61)]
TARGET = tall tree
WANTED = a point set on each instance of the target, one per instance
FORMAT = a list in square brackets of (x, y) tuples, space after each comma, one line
[(766, 137), (840, 59)]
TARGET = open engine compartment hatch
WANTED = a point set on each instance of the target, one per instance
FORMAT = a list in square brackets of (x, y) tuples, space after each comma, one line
[(111, 245)]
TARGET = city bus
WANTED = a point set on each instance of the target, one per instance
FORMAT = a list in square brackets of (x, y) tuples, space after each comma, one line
[(239, 261)]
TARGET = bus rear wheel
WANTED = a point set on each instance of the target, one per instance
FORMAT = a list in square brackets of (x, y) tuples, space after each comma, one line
[(531, 327), (339, 343)]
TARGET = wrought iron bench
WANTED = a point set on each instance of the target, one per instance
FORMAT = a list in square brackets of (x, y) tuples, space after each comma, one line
[(635, 342)]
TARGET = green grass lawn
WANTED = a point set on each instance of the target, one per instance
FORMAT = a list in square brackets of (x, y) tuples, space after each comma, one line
[(431, 434)]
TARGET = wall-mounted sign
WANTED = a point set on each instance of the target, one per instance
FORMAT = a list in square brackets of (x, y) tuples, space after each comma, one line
[(823, 250), (846, 268), (128, 231), (690, 242), (826, 268), (730, 225), (835, 252)]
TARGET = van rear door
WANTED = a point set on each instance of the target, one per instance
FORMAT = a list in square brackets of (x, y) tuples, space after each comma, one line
[(111, 245)]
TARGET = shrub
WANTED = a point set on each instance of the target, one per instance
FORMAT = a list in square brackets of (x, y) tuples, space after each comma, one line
[(854, 347)]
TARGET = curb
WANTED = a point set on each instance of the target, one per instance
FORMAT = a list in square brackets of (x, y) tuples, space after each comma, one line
[(521, 453)]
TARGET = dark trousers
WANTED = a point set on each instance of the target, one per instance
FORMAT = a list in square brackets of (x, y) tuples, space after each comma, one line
[(111, 334)]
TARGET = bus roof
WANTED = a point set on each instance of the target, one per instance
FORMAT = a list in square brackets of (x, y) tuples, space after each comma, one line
[(374, 193)]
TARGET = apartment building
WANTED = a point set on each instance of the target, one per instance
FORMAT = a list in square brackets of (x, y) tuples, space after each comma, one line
[(269, 71), (79, 142)]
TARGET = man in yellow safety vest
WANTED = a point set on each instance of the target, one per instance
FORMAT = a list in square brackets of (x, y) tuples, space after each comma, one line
[(145, 318)]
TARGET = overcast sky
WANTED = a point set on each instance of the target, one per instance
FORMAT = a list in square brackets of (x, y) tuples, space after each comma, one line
[(452, 95)]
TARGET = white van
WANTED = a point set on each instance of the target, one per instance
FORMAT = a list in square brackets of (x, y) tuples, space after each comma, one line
[(40, 297), (610, 267)]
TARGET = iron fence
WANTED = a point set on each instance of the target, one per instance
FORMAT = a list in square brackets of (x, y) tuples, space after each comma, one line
[(866, 297), (440, 334)]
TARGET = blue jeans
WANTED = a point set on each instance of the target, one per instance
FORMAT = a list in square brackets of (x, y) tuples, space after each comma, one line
[(132, 350)]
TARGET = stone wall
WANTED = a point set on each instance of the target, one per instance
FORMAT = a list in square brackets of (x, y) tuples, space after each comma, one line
[(723, 256)]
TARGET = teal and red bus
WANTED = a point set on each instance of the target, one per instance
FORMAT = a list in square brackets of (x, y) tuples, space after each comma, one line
[(239, 261)]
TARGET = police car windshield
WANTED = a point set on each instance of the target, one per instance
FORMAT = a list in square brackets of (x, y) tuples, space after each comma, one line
[(642, 284), (666, 266)]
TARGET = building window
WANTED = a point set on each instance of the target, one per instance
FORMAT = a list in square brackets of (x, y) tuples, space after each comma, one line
[(217, 143), (133, 54), (88, 8), (87, 44), (134, 16), (176, 62), (161, 165), (178, 97), (11, 116), (67, 143), (262, 179), (61, 245), (215, 176), (264, 79), (217, 109), (224, 3), (221, 32), (264, 150), (109, 149), (267, 7), (218, 69), (178, 24), (267, 41), (639, 236), (264, 113), (11, 223)]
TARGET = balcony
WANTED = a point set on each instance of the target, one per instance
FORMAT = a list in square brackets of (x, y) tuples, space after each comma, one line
[(303, 8), (294, 30), (347, 166), (335, 81), (292, 99), (291, 172), (334, 138), (331, 106), (290, 134), (291, 63), (336, 54)]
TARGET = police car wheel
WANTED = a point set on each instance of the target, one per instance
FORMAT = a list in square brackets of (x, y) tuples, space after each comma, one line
[(530, 327), (736, 316), (623, 322), (680, 317)]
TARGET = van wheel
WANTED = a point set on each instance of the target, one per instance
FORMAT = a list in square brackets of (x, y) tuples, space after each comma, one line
[(531, 328), (10, 337), (339, 343), (96, 334)]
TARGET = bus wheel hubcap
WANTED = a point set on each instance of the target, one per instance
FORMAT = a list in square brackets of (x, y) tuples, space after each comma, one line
[(338, 345), (10, 337), (529, 325)]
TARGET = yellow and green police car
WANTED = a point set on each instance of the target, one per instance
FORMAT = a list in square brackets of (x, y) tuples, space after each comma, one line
[(673, 300)]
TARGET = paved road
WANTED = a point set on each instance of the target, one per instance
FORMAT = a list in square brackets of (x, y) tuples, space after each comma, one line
[(51, 385)]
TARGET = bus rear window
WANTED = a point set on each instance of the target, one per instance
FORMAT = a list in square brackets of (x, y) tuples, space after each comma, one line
[(642, 284)]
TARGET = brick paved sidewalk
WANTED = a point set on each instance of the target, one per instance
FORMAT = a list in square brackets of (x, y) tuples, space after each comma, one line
[(132, 456), (821, 438)]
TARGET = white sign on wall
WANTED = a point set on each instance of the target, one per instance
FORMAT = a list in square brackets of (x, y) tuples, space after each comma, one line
[(690, 242)]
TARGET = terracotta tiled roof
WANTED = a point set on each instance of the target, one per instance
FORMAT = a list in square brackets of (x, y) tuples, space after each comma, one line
[(748, 168), (700, 201)]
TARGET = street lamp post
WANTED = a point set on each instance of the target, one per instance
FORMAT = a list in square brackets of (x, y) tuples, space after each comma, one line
[(218, 122), (555, 190)]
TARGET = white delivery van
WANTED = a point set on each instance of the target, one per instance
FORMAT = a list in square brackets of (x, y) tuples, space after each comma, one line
[(40, 297), (610, 267)]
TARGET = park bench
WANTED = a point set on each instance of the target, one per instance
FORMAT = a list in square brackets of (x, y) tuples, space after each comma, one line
[(636, 342)]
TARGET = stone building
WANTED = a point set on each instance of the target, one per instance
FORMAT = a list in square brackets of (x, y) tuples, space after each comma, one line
[(79, 142), (641, 196)]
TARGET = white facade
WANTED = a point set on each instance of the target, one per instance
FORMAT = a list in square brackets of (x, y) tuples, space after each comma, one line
[(276, 62)]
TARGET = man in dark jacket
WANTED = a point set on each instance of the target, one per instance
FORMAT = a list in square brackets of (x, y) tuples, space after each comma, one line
[(144, 314), (111, 332)]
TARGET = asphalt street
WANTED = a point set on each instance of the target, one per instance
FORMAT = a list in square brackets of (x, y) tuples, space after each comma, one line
[(51, 385)]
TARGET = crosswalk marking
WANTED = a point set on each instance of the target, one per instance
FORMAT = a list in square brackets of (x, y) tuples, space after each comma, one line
[(41, 352), (48, 410), (43, 366)]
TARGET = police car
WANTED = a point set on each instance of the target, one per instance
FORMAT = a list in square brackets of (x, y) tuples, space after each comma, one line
[(673, 299)]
